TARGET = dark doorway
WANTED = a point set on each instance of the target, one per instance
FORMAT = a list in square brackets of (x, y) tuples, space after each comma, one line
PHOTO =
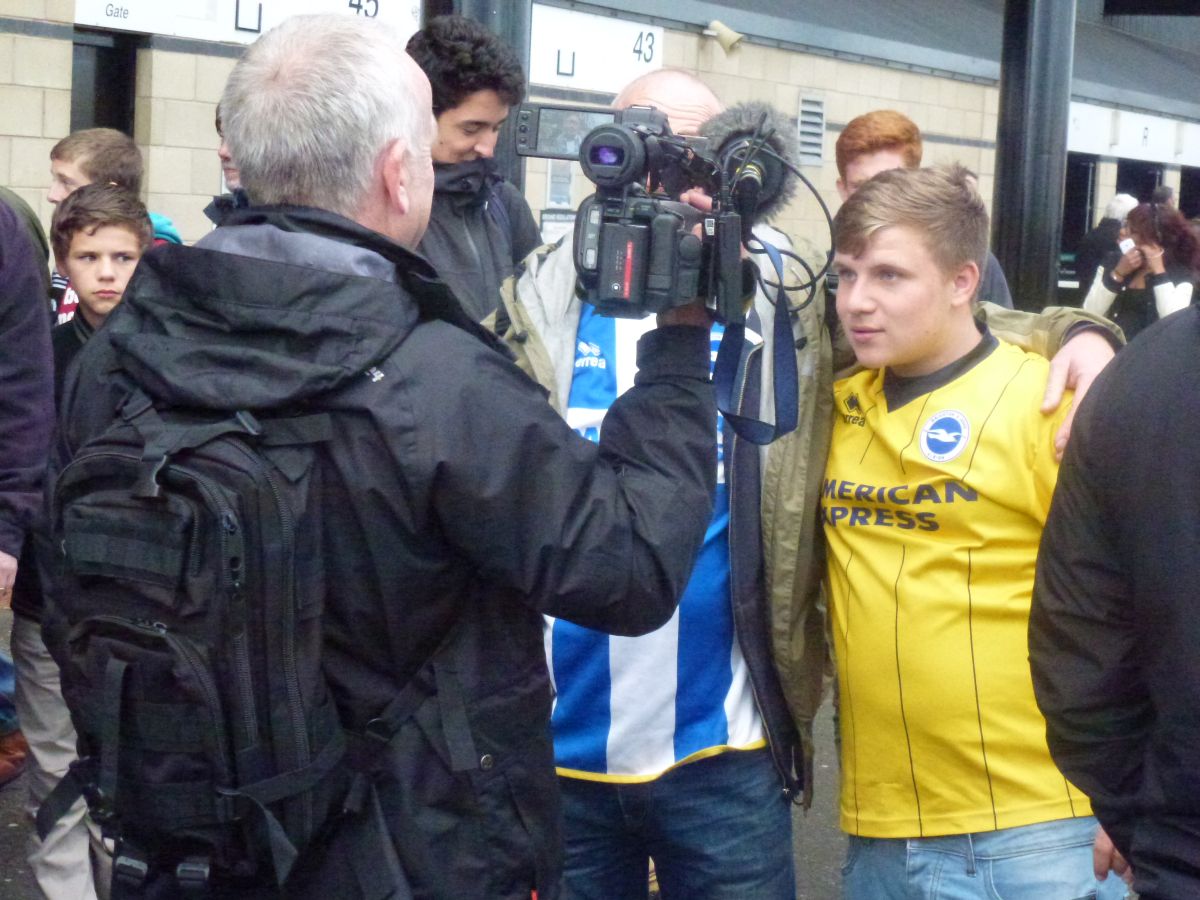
[(102, 81), (1078, 207), (1189, 191), (1138, 178)]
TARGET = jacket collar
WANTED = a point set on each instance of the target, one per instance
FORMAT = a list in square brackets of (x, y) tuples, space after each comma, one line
[(466, 183), (413, 272)]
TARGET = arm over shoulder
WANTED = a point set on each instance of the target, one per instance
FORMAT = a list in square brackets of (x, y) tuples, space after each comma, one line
[(1046, 332)]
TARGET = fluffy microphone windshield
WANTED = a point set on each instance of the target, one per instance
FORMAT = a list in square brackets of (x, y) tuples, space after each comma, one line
[(740, 122)]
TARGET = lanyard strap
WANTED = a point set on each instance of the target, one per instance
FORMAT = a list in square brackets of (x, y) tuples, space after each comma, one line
[(783, 362)]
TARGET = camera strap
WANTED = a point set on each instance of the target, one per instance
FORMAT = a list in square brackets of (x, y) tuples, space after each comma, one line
[(785, 375)]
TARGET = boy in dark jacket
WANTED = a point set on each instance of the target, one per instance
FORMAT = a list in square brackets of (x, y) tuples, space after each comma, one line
[(99, 233)]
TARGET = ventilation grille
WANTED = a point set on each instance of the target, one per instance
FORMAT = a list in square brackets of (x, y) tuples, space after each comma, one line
[(811, 126)]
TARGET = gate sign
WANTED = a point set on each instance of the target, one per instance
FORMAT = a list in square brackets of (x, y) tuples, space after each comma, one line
[(234, 21), (595, 53)]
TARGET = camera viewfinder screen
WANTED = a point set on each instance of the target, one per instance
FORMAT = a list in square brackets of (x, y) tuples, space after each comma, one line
[(561, 131), (604, 155)]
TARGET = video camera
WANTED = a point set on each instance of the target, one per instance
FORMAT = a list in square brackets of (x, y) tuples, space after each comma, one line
[(638, 249)]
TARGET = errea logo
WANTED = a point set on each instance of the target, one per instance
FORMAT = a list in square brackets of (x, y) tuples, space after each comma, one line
[(853, 412), (944, 435), (374, 374), (589, 355)]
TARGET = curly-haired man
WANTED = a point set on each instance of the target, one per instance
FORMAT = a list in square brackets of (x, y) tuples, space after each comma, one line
[(481, 226)]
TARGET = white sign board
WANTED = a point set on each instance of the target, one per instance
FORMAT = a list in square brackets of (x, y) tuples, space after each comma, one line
[(234, 21), (594, 53), (1132, 135)]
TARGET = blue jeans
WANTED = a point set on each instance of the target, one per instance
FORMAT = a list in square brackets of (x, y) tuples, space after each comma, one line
[(1046, 861), (717, 829), (8, 712)]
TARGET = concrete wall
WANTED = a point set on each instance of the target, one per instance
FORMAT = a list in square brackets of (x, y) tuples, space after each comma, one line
[(35, 99), (175, 105)]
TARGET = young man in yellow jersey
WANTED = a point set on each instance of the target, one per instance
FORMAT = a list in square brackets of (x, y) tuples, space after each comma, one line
[(937, 486)]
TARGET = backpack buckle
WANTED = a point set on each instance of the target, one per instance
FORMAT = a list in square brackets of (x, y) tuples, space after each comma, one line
[(130, 867), (192, 874), (100, 806), (147, 487), (136, 403), (252, 426), (380, 729)]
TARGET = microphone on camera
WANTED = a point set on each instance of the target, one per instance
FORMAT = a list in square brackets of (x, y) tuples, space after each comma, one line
[(760, 184)]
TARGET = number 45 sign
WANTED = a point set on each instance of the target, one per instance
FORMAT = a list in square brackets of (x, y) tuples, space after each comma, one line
[(587, 52), (240, 21)]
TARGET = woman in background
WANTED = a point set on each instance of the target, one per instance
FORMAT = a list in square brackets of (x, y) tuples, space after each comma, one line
[(1155, 277)]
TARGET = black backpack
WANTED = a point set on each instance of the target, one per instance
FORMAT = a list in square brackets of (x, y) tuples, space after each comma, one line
[(188, 588)]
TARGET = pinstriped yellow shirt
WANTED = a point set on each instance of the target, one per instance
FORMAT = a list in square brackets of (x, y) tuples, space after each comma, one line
[(936, 492)]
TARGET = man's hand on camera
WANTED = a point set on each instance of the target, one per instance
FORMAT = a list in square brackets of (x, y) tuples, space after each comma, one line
[(695, 313), (697, 198)]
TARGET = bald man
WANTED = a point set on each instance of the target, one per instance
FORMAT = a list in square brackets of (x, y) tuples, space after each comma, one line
[(678, 745)]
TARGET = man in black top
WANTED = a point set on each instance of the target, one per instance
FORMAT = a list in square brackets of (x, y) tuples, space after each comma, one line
[(1113, 630), (456, 507), (481, 226)]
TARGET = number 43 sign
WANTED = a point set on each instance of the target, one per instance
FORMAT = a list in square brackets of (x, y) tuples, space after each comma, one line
[(588, 52)]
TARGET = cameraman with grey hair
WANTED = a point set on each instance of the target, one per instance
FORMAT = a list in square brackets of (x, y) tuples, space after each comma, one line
[(456, 507)]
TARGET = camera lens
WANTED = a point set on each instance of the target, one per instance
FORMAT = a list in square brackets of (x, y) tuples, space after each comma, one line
[(604, 155), (612, 156)]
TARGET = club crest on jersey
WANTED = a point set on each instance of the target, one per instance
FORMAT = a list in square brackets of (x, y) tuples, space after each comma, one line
[(944, 435)]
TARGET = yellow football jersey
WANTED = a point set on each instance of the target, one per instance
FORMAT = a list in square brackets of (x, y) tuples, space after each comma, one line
[(934, 499)]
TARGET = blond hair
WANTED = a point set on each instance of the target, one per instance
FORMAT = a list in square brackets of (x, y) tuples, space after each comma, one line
[(940, 203)]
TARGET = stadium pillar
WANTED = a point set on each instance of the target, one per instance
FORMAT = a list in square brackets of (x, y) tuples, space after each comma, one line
[(1031, 145)]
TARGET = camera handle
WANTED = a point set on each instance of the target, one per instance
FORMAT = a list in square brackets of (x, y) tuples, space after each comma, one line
[(783, 362)]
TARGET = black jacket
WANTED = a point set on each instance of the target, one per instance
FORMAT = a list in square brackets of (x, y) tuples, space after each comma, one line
[(1115, 625), (26, 381), (66, 340), (479, 228), (1094, 249), (458, 507)]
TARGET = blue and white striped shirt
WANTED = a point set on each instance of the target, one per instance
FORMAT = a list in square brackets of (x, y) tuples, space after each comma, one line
[(630, 708)]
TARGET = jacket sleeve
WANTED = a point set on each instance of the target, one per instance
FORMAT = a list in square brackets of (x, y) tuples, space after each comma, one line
[(1046, 332), (1082, 638), (1170, 296), (26, 382), (1099, 297), (603, 535)]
